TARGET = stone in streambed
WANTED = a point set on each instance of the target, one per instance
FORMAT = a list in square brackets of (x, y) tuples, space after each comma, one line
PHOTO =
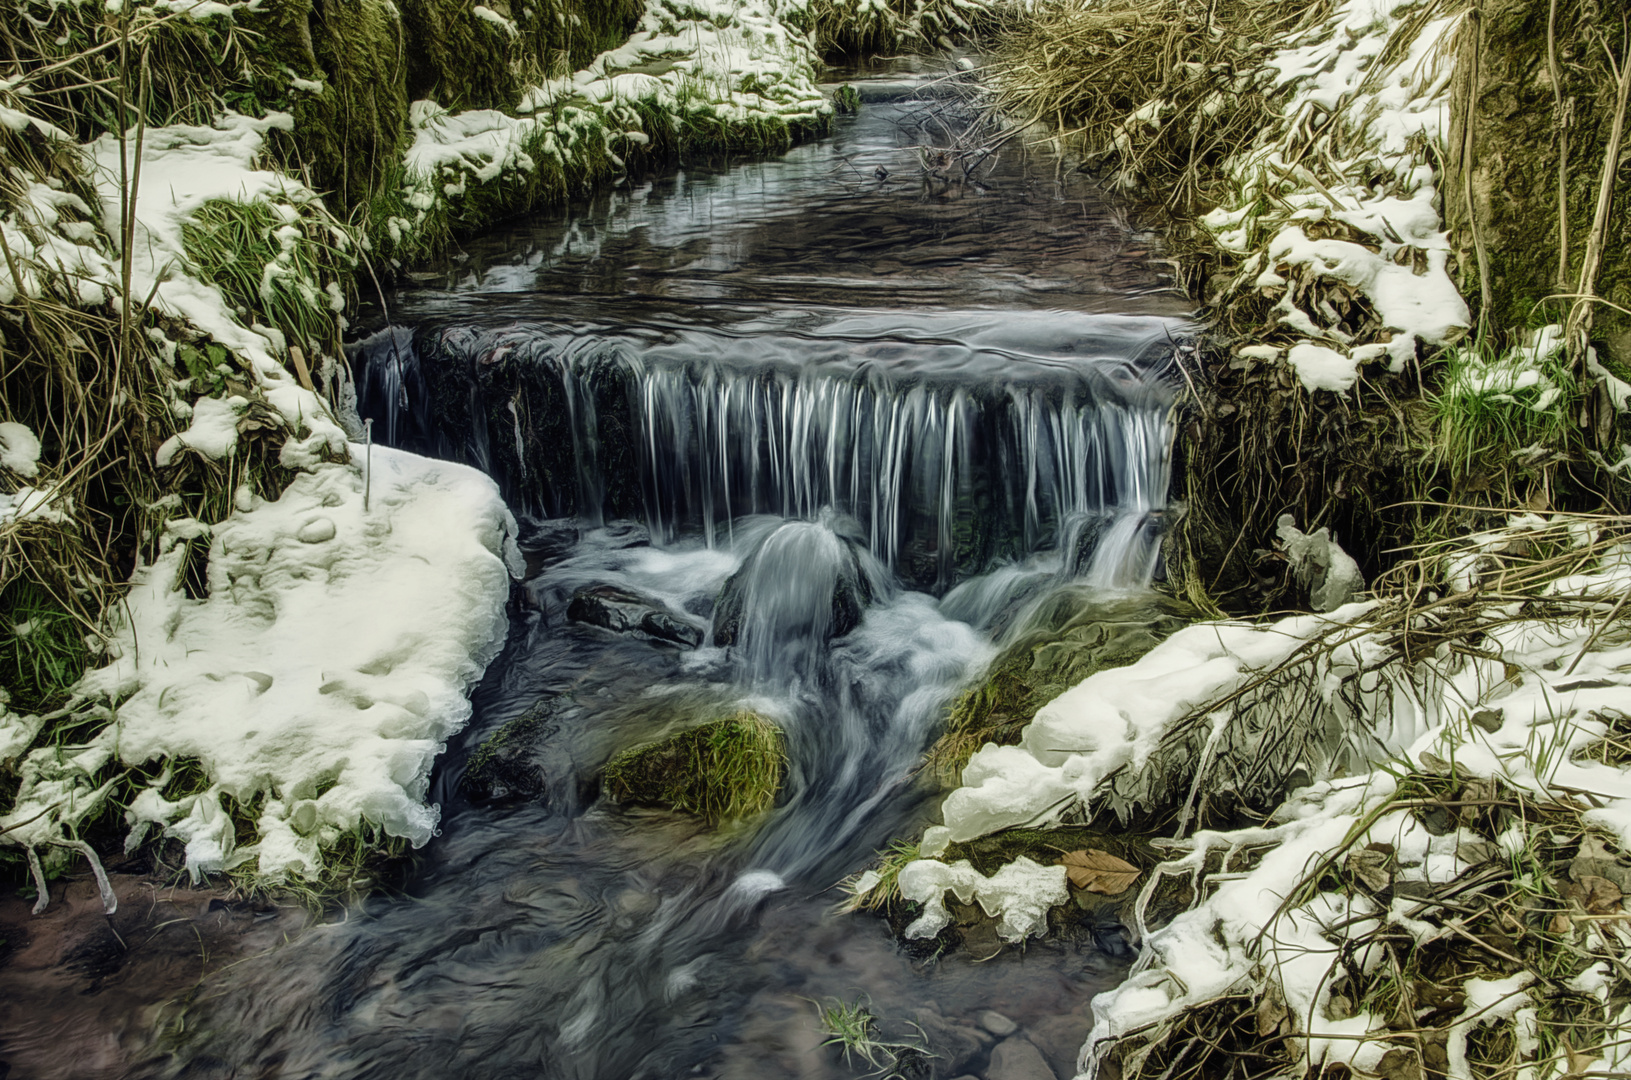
[(1017, 1059), (623, 612), (997, 1024)]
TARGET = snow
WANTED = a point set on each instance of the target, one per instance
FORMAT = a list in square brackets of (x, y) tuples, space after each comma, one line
[(1369, 118), (213, 431), (48, 505), (182, 168), (19, 449), (1021, 892), (1547, 717), (1113, 719), (323, 672), (732, 62)]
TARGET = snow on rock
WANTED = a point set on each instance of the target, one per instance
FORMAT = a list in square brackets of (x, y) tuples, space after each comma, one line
[(324, 670), (1021, 892), (1114, 718), (19, 449)]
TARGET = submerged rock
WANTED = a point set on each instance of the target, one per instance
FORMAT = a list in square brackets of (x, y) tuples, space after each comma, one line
[(625, 612), (504, 766), (1017, 1058), (722, 770), (805, 581)]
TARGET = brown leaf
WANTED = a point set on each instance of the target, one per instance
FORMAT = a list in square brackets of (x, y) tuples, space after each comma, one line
[(1271, 1012), (1399, 1064), (1099, 871), (1562, 925), (1601, 896), (1370, 868)]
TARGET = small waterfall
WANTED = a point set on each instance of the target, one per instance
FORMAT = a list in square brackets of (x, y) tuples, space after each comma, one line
[(950, 457)]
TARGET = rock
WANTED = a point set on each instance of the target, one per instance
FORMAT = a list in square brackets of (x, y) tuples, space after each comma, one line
[(997, 1024), (1017, 1059), (625, 612), (804, 579), (546, 541)]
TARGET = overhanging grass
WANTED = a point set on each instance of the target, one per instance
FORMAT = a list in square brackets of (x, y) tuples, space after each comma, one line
[(723, 770)]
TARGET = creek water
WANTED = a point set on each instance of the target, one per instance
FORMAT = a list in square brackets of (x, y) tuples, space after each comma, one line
[(801, 437)]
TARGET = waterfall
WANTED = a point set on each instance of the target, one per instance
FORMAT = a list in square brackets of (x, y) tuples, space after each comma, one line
[(950, 456)]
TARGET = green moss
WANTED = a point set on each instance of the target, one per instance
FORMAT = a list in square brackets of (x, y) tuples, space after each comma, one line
[(1072, 635), (722, 770)]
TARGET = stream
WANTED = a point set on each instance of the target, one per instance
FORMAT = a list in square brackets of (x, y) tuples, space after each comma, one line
[(802, 437)]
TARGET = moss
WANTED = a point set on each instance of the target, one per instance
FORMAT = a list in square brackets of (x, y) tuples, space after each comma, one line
[(1072, 635), (1513, 170), (722, 770), (502, 766)]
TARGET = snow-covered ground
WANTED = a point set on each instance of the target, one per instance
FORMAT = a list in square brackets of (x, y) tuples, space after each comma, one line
[(314, 683)]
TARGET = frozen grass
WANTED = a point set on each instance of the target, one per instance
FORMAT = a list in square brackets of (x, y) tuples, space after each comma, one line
[(876, 888), (723, 770)]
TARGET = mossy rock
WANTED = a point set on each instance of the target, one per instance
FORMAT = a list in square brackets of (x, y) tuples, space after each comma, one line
[(1072, 635), (722, 770), (503, 767)]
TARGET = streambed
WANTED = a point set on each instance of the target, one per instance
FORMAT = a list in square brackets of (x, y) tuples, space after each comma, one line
[(848, 370)]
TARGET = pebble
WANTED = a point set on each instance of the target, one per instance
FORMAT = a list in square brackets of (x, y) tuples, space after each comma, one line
[(1017, 1059), (997, 1024)]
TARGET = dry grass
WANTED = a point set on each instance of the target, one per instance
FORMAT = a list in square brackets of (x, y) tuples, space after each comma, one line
[(1156, 93)]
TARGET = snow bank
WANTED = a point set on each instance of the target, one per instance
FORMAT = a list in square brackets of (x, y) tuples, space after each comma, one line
[(1352, 153), (1112, 720), (318, 679), (1534, 719), (731, 64)]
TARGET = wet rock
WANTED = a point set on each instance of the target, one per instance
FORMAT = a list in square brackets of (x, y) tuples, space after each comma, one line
[(847, 597), (546, 541), (505, 766), (625, 612), (997, 1024), (619, 535), (1017, 1059)]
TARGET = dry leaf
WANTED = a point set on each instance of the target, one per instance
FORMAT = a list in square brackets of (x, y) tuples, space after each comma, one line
[(1562, 925), (1370, 868), (1399, 1064), (1271, 1012), (1099, 871), (1600, 896)]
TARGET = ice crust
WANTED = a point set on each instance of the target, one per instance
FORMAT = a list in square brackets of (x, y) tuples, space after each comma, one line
[(325, 669)]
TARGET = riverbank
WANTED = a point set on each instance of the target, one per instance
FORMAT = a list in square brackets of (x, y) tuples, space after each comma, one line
[(1443, 898)]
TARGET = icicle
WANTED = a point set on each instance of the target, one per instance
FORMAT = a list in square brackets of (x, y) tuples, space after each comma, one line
[(40, 886), (110, 902)]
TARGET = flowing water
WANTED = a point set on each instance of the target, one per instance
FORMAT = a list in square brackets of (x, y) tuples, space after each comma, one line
[(822, 424)]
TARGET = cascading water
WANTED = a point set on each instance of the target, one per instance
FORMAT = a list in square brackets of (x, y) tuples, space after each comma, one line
[(955, 443), (789, 466)]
